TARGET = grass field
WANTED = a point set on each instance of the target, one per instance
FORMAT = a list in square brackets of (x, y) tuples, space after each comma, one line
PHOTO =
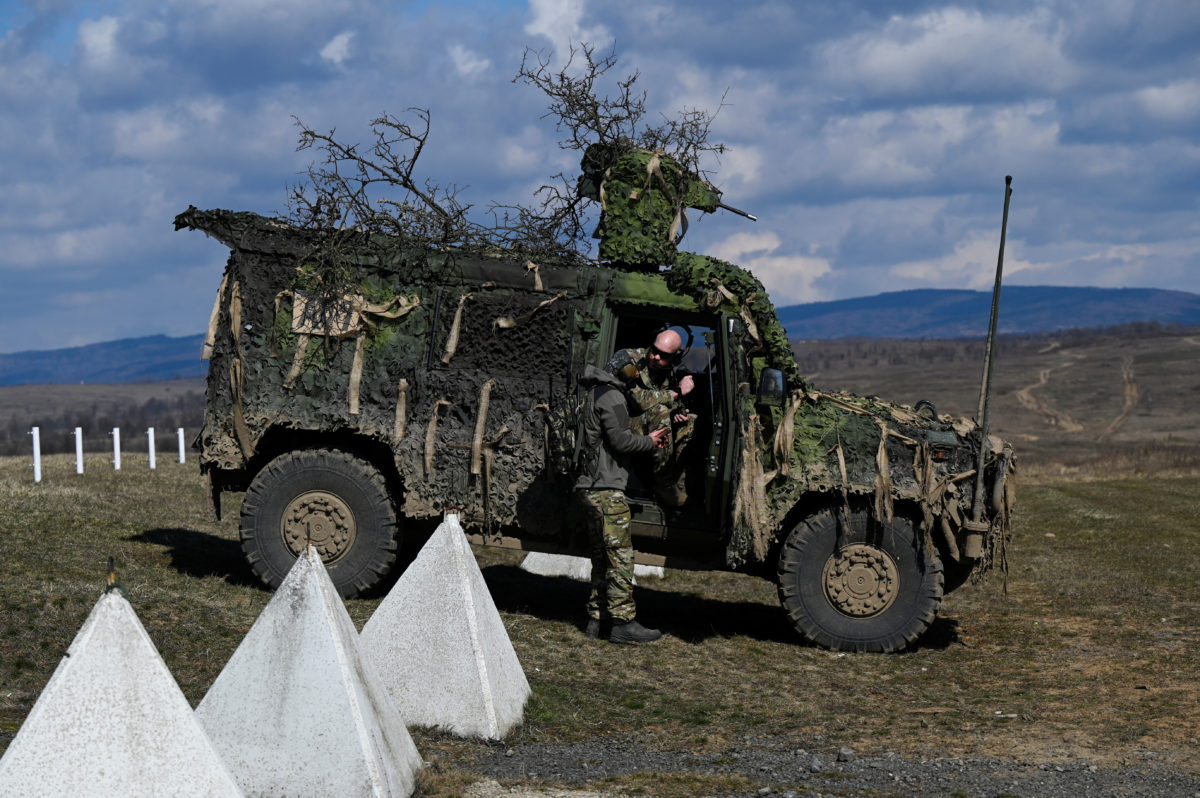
[(1092, 654)]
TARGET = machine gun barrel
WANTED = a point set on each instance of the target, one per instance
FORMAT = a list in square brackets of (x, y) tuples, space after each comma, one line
[(738, 211)]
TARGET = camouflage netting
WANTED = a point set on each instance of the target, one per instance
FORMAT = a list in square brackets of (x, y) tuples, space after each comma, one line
[(712, 283), (866, 450), (643, 198), (472, 430), (489, 445)]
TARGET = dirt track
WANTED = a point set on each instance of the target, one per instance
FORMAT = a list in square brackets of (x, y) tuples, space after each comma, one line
[(1131, 400), (1064, 421), (1054, 415)]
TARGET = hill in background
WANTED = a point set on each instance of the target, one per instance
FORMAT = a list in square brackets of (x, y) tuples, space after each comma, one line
[(1024, 309), (149, 359)]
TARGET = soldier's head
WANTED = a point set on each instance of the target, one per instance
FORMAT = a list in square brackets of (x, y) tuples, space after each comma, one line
[(665, 351)]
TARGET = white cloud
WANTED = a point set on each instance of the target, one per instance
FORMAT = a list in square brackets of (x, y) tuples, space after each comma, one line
[(111, 55), (788, 278), (865, 150), (147, 133), (98, 42), (467, 63), (338, 48), (738, 245), (1175, 102), (953, 49), (741, 170), (884, 151), (209, 110), (561, 21), (89, 245), (524, 153), (972, 264)]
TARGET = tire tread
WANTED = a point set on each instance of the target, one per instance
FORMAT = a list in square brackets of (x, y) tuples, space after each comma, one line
[(794, 552), (382, 515)]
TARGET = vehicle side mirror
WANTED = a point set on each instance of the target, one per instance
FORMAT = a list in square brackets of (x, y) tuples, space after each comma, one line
[(772, 388)]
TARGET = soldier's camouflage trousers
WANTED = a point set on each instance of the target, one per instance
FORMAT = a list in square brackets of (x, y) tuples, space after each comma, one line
[(670, 465), (607, 513)]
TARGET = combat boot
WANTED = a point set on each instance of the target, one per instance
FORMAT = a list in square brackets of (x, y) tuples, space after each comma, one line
[(633, 632)]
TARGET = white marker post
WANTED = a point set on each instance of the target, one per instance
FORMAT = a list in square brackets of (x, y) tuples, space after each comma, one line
[(116, 435), (37, 454), (79, 450), (181, 444), (150, 437)]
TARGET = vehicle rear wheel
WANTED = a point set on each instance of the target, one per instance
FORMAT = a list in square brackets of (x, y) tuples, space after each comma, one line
[(861, 585), (332, 499)]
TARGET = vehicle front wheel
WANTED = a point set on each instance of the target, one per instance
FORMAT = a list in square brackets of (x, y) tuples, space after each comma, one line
[(330, 498), (856, 584)]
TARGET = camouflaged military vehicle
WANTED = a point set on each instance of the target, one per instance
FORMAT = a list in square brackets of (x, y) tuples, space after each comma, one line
[(444, 379)]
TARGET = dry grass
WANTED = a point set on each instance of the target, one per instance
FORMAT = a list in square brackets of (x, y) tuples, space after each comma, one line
[(30, 405), (1092, 654)]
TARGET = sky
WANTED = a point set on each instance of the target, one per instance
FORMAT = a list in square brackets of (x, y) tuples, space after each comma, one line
[(870, 137)]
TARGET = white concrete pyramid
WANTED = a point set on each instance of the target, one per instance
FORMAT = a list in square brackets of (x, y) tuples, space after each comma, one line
[(113, 721), (440, 645), (297, 710), (543, 564)]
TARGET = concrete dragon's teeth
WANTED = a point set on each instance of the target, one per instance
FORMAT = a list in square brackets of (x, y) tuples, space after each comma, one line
[(299, 711), (113, 721), (441, 647)]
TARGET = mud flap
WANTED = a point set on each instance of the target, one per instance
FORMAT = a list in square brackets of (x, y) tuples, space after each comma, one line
[(214, 496)]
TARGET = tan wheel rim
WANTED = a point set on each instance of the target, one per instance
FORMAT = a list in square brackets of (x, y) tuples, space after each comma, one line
[(321, 518), (861, 580)]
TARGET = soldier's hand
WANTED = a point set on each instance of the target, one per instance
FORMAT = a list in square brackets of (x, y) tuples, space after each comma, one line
[(679, 418), (686, 385), (659, 436)]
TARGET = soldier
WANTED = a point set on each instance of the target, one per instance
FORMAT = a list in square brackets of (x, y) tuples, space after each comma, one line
[(656, 402), (607, 444)]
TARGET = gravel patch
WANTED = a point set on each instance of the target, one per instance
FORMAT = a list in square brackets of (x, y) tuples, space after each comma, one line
[(819, 771)]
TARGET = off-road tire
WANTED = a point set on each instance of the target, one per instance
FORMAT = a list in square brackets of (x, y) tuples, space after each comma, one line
[(316, 489), (861, 586)]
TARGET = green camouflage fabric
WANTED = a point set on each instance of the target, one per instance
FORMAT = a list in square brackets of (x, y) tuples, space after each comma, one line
[(652, 406), (607, 513), (643, 195), (713, 282)]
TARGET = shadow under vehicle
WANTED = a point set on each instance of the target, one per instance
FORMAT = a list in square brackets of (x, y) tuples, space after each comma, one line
[(436, 379)]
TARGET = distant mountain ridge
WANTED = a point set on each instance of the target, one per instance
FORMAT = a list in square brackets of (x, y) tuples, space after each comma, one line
[(919, 313), (156, 357), (939, 313)]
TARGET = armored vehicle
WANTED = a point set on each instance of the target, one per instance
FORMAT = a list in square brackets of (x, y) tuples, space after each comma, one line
[(433, 380)]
